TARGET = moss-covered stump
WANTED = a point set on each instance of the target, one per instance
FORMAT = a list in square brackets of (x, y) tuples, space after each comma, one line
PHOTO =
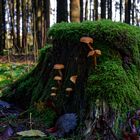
[(116, 78)]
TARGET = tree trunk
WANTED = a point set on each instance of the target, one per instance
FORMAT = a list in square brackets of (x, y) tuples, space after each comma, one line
[(81, 10), (46, 18), (127, 11), (2, 26), (121, 7), (18, 25), (96, 9), (62, 12), (109, 9), (103, 9), (133, 11), (75, 10), (24, 24), (86, 10)]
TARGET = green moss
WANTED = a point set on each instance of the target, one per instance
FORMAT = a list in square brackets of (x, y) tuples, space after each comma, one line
[(119, 36), (119, 88)]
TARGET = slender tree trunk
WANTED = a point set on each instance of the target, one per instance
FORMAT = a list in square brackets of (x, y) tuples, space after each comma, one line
[(13, 23), (38, 23), (103, 9), (24, 28), (133, 11), (75, 10), (86, 10), (46, 18), (81, 10), (91, 10), (121, 7), (96, 9), (62, 12), (127, 11), (18, 24), (109, 9), (2, 26)]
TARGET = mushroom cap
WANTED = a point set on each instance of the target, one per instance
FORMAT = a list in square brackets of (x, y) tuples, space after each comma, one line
[(58, 66), (86, 40), (97, 52), (69, 89), (91, 53), (53, 94), (73, 79), (53, 88), (94, 53), (58, 78)]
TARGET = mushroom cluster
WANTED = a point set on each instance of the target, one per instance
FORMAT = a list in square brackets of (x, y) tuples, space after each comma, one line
[(92, 52), (58, 78), (53, 91)]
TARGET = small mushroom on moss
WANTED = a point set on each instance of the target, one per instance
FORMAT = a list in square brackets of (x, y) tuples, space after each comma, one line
[(73, 79), (59, 67), (88, 41), (69, 90), (53, 94), (53, 89), (94, 53), (58, 79)]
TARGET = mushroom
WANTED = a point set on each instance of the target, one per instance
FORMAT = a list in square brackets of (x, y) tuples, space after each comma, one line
[(87, 40), (59, 67), (94, 53), (73, 79), (53, 94), (58, 79), (54, 89), (69, 90)]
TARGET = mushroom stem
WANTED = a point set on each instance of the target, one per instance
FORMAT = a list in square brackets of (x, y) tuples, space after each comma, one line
[(90, 46), (95, 61), (60, 73)]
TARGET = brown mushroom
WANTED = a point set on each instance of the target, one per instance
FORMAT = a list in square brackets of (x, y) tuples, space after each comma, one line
[(58, 79), (59, 67), (94, 53), (87, 40), (69, 90), (53, 89), (73, 79), (53, 94)]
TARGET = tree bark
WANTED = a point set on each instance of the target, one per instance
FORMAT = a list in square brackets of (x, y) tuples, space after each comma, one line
[(96, 9), (75, 10), (81, 10), (121, 7), (127, 11), (2, 26), (62, 12), (103, 9), (18, 25)]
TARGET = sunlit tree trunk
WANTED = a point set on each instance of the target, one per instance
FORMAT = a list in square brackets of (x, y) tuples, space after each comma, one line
[(75, 10), (18, 24), (62, 12), (24, 28)]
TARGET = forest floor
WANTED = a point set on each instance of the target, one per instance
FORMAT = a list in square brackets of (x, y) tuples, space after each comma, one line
[(13, 119)]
